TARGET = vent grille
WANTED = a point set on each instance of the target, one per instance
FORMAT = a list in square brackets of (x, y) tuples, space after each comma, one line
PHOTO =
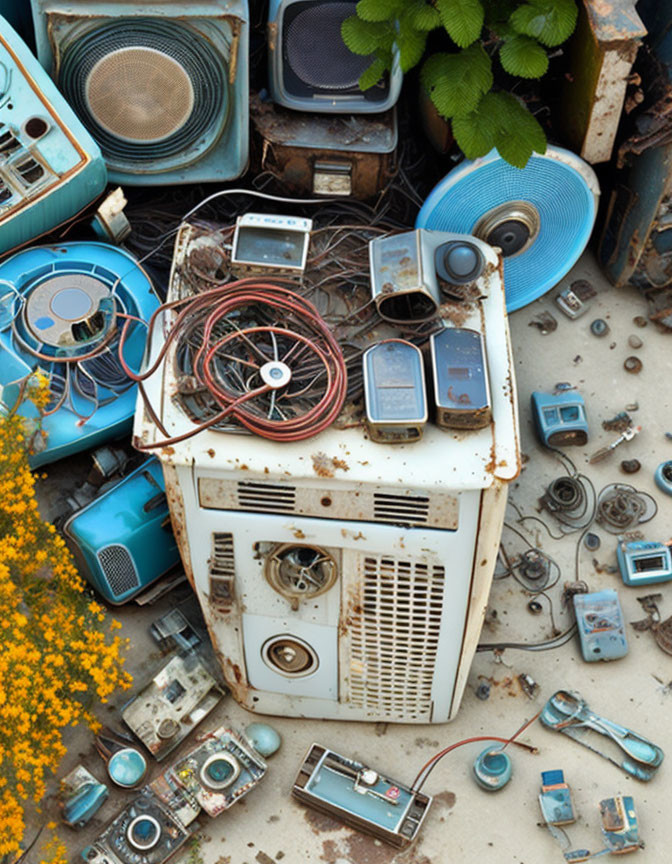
[(222, 572), (394, 638), (266, 498), (118, 568), (403, 509)]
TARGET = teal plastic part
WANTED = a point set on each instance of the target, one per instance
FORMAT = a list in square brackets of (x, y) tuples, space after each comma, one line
[(264, 738), (493, 769), (127, 767), (663, 477), (50, 167), (123, 540)]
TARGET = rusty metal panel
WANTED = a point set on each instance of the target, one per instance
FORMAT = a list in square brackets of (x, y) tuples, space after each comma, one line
[(602, 51), (340, 156)]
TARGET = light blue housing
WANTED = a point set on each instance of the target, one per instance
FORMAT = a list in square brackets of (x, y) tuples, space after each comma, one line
[(559, 418), (559, 185), (644, 563), (333, 102), (120, 540), (50, 167), (84, 804), (82, 421), (213, 143)]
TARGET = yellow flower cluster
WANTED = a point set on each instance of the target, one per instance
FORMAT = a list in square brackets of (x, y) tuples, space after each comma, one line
[(57, 654)]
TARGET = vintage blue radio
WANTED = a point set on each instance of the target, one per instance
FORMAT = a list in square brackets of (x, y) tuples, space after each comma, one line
[(61, 313), (644, 563), (312, 69), (123, 539), (50, 167), (162, 87), (559, 418)]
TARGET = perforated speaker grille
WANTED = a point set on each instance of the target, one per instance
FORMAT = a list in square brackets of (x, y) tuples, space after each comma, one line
[(146, 89), (118, 568), (562, 188), (315, 50)]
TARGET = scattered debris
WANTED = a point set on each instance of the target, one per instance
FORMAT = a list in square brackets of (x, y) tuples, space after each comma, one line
[(630, 466), (627, 435), (662, 630), (633, 365), (663, 477), (528, 685), (621, 507), (591, 541), (635, 341), (599, 327), (544, 322), (573, 301), (618, 423), (483, 691), (535, 607), (639, 321)]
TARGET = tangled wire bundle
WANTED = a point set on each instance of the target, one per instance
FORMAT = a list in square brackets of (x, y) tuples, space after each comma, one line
[(257, 353)]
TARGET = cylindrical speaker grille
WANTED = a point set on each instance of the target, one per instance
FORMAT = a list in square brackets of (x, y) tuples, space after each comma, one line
[(558, 187), (146, 89), (315, 50)]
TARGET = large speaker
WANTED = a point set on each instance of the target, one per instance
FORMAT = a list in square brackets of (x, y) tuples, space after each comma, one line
[(312, 69), (541, 216), (50, 167), (162, 87)]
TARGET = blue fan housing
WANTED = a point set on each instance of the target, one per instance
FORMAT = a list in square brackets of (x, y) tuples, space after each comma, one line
[(93, 400), (559, 186)]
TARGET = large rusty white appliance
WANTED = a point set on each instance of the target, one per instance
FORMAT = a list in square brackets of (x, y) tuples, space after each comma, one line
[(342, 578)]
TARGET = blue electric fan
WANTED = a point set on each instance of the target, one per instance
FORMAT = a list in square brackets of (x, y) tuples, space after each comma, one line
[(540, 216), (61, 313)]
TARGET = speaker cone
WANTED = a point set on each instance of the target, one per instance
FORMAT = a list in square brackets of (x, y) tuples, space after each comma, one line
[(289, 656)]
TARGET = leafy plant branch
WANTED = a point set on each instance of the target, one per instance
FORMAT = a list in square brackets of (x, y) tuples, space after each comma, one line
[(460, 82)]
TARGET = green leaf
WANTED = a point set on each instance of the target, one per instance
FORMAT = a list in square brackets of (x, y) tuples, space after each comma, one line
[(456, 82), (523, 57), (549, 21), (361, 37), (463, 19), (379, 10), (411, 44), (371, 76), (500, 121), (426, 17)]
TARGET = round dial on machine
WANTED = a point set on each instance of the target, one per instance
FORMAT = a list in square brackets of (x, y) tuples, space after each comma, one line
[(289, 656), (299, 571)]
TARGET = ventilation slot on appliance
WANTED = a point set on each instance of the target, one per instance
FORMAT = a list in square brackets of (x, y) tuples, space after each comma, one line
[(118, 568), (5, 193), (222, 572), (8, 143), (394, 638), (30, 171), (401, 509), (266, 498)]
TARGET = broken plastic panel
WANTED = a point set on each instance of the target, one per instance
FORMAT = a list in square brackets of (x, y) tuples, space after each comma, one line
[(601, 627), (569, 713), (644, 563), (394, 392), (620, 830), (81, 796), (555, 799), (361, 797)]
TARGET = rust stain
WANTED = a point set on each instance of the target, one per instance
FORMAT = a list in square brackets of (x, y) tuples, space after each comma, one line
[(211, 453), (298, 533), (326, 466), (263, 858), (320, 822), (448, 799), (358, 848), (167, 451)]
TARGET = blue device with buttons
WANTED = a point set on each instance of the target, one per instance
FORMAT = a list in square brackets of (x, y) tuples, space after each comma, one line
[(644, 563), (560, 418), (601, 627)]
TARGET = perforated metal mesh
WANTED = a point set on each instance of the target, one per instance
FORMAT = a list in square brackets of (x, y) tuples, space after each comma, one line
[(395, 637), (146, 89), (118, 568), (139, 94), (316, 52)]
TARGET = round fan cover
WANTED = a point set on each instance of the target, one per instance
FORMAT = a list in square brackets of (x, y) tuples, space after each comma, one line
[(541, 216)]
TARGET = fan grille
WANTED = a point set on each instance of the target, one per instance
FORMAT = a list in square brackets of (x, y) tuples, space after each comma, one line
[(139, 94), (119, 569), (146, 89), (315, 50)]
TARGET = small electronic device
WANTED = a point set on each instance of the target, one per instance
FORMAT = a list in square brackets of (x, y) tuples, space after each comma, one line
[(555, 799), (492, 769), (410, 271), (394, 392), (601, 627), (560, 418), (361, 797), (620, 827), (81, 796), (220, 771), (663, 477), (461, 388), (145, 831), (168, 709), (263, 242), (644, 563), (573, 302)]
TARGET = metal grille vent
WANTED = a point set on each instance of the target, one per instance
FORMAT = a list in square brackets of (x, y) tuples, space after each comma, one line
[(118, 568), (266, 498), (315, 50), (146, 89), (401, 509), (222, 572), (394, 638)]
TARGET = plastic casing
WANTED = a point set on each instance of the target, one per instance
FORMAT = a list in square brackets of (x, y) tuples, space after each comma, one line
[(628, 553), (279, 94), (118, 517), (556, 431), (73, 169)]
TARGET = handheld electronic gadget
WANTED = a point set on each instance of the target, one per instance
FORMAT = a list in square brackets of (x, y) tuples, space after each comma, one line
[(644, 563), (560, 418), (394, 392)]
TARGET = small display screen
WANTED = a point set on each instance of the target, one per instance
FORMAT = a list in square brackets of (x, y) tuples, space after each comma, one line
[(646, 565), (459, 366), (270, 247), (395, 383)]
